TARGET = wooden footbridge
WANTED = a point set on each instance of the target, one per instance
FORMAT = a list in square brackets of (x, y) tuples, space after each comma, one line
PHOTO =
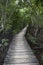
[(19, 52)]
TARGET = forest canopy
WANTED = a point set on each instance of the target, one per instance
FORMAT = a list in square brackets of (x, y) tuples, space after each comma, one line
[(16, 14)]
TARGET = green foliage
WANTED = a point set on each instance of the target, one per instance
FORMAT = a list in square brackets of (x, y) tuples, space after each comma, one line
[(19, 13), (33, 39), (5, 42)]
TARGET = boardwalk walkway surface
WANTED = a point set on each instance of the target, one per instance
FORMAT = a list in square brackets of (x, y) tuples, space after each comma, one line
[(19, 52)]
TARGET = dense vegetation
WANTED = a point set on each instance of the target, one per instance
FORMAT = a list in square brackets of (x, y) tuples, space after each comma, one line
[(15, 15)]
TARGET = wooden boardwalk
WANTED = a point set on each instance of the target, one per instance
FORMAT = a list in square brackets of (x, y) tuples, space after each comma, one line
[(19, 52)]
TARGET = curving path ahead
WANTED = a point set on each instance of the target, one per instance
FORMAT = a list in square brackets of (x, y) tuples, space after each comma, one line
[(19, 52)]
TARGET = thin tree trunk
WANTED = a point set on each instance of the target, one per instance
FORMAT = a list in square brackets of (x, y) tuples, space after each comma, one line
[(36, 30), (4, 22), (3, 18)]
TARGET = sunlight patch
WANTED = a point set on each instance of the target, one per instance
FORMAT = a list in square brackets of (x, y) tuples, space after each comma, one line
[(17, 1)]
